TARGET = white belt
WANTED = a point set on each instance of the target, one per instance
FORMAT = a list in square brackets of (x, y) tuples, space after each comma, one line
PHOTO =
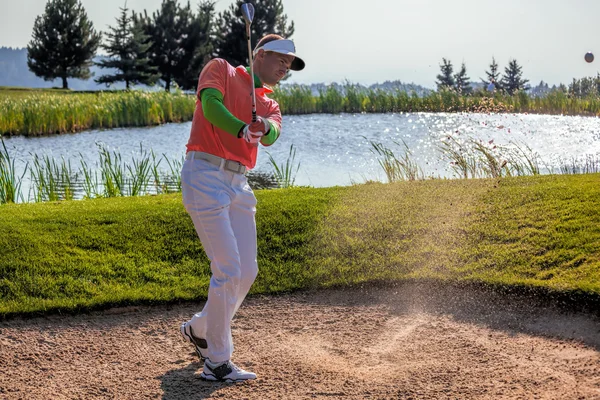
[(229, 165)]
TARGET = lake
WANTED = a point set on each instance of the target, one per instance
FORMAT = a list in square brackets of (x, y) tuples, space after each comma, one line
[(337, 150)]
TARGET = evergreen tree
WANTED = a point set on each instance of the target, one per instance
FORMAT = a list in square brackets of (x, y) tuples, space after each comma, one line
[(179, 42), (445, 80), (513, 81), (493, 75), (198, 46), (231, 43), (462, 81), (585, 87), (64, 42), (127, 47)]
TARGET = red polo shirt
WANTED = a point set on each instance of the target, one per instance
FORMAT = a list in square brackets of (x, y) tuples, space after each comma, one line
[(234, 84)]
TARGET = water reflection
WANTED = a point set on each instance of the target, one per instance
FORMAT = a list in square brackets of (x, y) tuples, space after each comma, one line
[(337, 149)]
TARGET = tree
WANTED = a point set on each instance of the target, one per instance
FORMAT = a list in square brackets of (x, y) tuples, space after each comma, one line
[(179, 40), (231, 43), (64, 42), (445, 80), (127, 50), (585, 87), (513, 81), (493, 74), (462, 84), (198, 46)]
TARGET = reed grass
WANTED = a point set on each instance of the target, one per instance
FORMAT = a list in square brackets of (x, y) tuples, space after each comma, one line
[(34, 113), (351, 98), (586, 164), (174, 175), (52, 180), (10, 183), (475, 159), (111, 176), (285, 173), (90, 182), (146, 173), (42, 113), (462, 160), (402, 168)]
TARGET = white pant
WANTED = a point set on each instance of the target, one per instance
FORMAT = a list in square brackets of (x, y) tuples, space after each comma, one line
[(222, 206)]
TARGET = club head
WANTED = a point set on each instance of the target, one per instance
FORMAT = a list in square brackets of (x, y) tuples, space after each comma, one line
[(248, 12)]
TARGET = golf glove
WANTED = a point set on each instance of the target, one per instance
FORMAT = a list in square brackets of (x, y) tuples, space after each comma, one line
[(252, 133), (251, 136), (261, 125)]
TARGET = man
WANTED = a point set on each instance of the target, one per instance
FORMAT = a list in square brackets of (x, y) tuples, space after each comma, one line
[(222, 147)]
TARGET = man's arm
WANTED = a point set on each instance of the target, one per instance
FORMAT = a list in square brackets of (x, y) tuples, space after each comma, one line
[(217, 114), (274, 120)]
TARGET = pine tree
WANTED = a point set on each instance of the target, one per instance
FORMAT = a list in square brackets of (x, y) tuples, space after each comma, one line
[(462, 81), (513, 81), (493, 75), (179, 40), (445, 80), (127, 50), (198, 46), (232, 44), (64, 42)]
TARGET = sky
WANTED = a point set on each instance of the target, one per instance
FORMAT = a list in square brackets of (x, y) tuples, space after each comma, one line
[(377, 40)]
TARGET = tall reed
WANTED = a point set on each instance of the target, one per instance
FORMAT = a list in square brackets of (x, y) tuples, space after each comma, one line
[(462, 160), (139, 173), (52, 180), (90, 180), (174, 175), (396, 169), (588, 164), (285, 173), (42, 113), (352, 98), (112, 172), (10, 183)]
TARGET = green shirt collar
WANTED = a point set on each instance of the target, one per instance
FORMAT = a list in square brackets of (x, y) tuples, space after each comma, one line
[(257, 82)]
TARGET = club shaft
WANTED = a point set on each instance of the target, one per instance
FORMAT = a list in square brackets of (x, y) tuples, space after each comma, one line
[(248, 35)]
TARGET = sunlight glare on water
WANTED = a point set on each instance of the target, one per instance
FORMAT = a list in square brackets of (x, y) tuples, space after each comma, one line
[(336, 149)]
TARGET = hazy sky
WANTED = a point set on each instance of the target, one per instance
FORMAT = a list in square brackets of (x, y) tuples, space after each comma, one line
[(377, 40)]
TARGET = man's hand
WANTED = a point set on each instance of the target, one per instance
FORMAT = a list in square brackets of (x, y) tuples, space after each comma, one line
[(261, 125), (252, 133), (250, 136)]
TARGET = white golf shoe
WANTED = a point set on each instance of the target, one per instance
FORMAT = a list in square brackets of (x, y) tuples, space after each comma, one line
[(199, 343), (225, 372)]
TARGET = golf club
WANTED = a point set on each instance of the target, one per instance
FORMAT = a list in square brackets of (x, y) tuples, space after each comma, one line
[(248, 13)]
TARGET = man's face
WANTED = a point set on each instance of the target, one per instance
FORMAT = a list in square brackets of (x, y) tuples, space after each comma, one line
[(274, 66)]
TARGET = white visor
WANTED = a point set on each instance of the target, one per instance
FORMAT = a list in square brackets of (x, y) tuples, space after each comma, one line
[(283, 46)]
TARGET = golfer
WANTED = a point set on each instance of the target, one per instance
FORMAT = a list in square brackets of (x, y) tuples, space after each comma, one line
[(222, 147)]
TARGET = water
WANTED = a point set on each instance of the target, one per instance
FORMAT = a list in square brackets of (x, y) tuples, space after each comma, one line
[(336, 149)]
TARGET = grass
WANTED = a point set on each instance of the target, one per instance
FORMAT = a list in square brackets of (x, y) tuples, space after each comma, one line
[(112, 176), (538, 231), (397, 169), (285, 173), (298, 99), (42, 112), (10, 182), (47, 111)]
